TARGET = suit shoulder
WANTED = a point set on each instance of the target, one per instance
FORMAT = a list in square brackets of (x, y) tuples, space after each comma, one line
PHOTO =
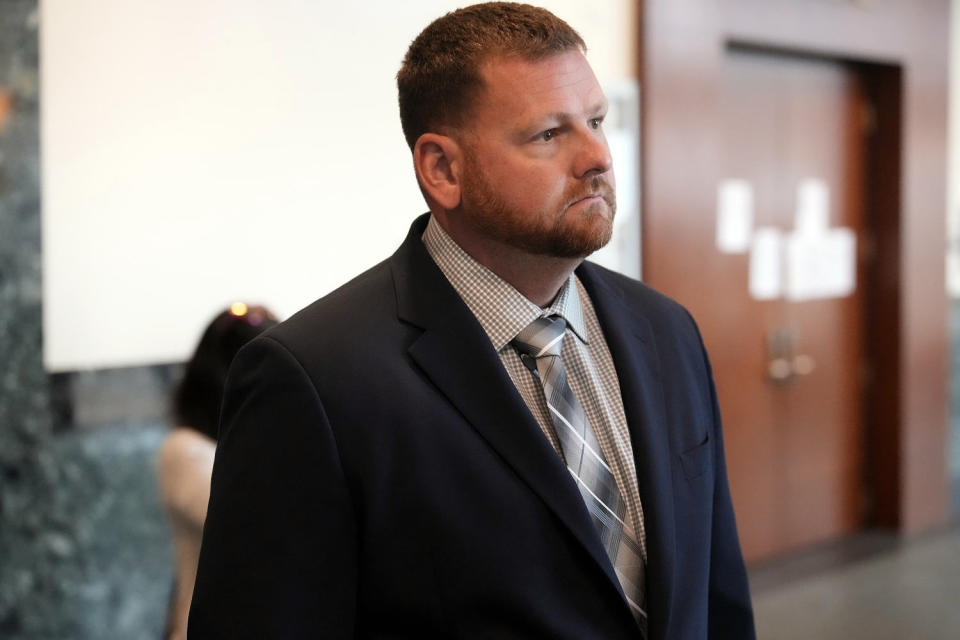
[(368, 297), (649, 301)]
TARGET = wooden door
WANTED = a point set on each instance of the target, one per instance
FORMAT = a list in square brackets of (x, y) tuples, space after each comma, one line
[(789, 372), (686, 68)]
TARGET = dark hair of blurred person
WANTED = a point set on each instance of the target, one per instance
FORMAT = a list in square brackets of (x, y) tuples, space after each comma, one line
[(197, 400), (185, 459)]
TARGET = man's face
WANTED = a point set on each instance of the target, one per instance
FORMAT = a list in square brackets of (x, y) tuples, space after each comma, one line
[(537, 170)]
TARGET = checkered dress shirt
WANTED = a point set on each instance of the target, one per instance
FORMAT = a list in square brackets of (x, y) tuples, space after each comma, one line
[(503, 312)]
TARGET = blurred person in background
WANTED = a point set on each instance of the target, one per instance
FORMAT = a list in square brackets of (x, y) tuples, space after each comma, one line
[(185, 459)]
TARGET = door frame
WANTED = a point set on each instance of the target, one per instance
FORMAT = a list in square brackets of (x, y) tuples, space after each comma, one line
[(901, 49)]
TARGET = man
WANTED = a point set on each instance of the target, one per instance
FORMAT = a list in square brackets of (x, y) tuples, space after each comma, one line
[(483, 436)]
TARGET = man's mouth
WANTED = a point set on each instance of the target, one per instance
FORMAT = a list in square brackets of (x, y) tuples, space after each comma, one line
[(591, 197)]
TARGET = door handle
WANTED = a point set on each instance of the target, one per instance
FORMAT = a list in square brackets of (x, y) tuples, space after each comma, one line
[(803, 365), (780, 356), (780, 370), (783, 362)]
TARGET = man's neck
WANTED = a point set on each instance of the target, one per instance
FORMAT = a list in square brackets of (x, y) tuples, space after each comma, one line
[(537, 277)]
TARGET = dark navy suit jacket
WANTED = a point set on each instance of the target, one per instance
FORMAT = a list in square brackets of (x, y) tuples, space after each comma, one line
[(379, 476)]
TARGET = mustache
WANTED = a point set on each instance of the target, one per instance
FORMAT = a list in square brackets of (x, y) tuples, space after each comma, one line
[(597, 186)]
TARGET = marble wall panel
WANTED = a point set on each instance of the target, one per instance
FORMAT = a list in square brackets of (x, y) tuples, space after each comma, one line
[(84, 548), (25, 426)]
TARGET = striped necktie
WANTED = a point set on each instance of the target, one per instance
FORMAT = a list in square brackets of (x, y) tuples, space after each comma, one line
[(539, 346)]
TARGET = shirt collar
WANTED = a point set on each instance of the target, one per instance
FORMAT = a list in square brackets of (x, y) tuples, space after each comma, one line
[(501, 310)]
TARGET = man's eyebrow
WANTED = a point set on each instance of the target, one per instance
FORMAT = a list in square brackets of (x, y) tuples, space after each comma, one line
[(599, 108)]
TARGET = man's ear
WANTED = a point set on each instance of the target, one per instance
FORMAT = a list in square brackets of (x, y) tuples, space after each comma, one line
[(438, 162)]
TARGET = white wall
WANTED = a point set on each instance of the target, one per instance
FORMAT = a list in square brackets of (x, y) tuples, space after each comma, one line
[(197, 152), (953, 156)]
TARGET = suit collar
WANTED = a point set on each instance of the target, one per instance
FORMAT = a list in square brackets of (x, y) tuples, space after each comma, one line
[(424, 297)]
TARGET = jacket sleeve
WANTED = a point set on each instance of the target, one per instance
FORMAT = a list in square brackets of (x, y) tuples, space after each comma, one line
[(279, 551), (729, 609)]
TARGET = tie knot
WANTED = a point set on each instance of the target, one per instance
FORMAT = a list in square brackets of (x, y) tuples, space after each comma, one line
[(542, 337)]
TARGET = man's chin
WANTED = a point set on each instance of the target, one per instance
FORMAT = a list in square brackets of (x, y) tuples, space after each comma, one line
[(592, 235)]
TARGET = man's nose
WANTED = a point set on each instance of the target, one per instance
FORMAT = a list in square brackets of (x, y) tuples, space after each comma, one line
[(593, 156)]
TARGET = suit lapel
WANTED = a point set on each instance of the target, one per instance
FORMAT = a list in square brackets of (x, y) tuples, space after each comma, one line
[(459, 359), (630, 338)]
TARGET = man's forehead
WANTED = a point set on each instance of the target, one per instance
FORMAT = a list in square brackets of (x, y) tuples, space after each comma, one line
[(570, 61), (520, 79)]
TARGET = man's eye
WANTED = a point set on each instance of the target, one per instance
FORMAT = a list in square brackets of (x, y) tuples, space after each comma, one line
[(548, 135), (595, 123)]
